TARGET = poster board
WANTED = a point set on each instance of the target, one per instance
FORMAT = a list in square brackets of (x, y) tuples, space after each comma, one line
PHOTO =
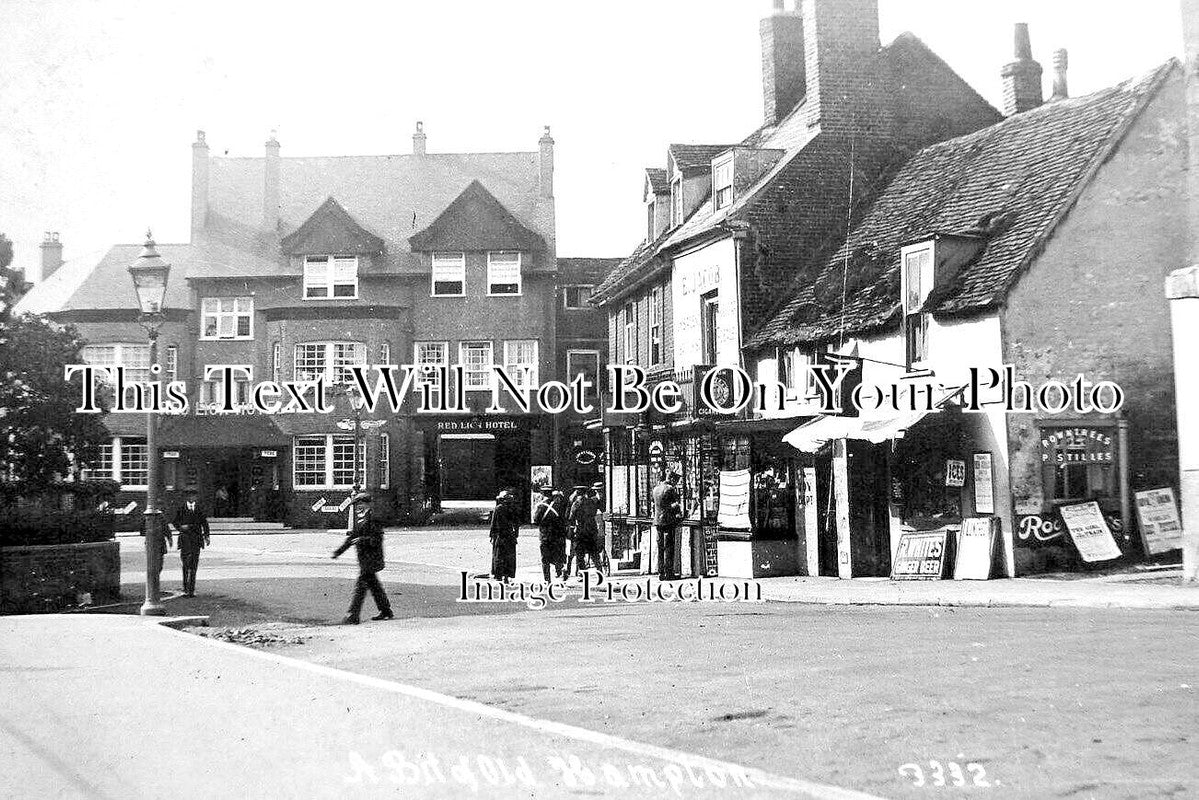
[(1089, 531), (920, 556), (539, 475), (984, 487), (710, 566), (734, 499), (955, 473), (1158, 521), (976, 549)]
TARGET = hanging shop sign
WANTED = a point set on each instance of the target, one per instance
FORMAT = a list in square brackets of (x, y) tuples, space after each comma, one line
[(586, 457), (734, 499), (976, 549), (1157, 515), (1078, 445), (920, 556), (1089, 532), (955, 473), (984, 487)]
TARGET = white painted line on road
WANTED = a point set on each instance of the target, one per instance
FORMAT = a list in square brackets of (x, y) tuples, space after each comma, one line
[(759, 777)]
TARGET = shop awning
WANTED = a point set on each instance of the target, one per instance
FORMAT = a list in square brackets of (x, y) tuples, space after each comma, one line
[(875, 428), (221, 430)]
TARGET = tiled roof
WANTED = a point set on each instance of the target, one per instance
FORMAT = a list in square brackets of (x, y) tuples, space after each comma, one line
[(639, 263), (476, 220), (658, 182), (696, 156), (585, 269), (331, 229), (1012, 182)]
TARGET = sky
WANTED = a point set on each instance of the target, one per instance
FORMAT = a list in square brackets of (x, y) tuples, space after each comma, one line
[(100, 99)]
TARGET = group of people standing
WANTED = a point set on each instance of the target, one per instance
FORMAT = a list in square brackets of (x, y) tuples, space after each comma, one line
[(577, 521)]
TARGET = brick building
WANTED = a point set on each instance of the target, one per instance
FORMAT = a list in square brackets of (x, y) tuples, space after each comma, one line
[(1042, 243), (732, 228), (300, 267)]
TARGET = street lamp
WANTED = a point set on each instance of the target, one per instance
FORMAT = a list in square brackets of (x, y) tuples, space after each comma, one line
[(150, 274)]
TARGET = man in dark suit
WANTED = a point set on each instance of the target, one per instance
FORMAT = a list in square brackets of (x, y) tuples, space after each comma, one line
[(192, 525), (550, 519), (367, 538), (667, 513)]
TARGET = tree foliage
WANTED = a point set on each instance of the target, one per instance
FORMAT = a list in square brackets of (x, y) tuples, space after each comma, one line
[(9, 280), (39, 427)]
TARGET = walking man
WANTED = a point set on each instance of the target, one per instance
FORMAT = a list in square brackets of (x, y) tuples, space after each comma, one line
[(505, 530), (667, 513), (192, 525), (582, 520), (550, 519), (367, 537)]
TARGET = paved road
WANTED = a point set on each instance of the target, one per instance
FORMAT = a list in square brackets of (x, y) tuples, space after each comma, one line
[(1033, 703)]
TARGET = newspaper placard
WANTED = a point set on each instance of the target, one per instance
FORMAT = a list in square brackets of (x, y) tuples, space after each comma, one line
[(984, 488), (976, 547), (1090, 532), (734, 499), (1157, 515)]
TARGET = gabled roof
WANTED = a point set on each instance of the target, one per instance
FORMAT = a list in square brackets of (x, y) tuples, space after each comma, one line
[(657, 180), (696, 156), (1011, 183), (640, 263), (331, 230), (476, 221), (897, 65)]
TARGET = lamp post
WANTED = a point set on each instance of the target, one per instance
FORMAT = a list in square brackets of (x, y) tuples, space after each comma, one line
[(150, 274)]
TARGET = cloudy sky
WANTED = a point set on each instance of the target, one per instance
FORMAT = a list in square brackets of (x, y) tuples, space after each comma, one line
[(100, 99)]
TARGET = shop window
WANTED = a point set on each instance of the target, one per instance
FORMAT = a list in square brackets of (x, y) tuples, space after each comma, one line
[(1078, 463), (773, 502)]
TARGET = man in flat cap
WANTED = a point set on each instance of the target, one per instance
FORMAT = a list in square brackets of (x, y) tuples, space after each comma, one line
[(367, 538)]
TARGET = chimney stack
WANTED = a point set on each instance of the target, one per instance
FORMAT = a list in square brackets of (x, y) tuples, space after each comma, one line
[(1060, 63), (199, 184), (1022, 77), (545, 174), (840, 44), (270, 186), (51, 254), (783, 83), (418, 140)]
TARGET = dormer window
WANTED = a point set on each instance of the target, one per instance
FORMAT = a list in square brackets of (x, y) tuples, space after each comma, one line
[(917, 282), (676, 202), (722, 181), (330, 277)]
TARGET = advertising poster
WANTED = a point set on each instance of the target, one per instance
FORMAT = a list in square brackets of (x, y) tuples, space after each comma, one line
[(1157, 515), (734, 499), (984, 488), (976, 547), (1089, 531)]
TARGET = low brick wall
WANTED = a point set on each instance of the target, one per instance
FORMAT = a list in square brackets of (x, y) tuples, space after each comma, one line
[(41, 578)]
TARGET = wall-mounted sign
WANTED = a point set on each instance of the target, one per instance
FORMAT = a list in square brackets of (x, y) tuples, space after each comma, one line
[(344, 504), (1161, 529), (329, 509), (170, 453), (920, 556), (269, 453), (984, 488), (1089, 531), (734, 499), (656, 448), (976, 548), (478, 425), (955, 473), (317, 505), (585, 457), (1078, 445)]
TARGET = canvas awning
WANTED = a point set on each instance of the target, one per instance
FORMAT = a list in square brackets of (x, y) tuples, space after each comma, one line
[(875, 428), (221, 430)]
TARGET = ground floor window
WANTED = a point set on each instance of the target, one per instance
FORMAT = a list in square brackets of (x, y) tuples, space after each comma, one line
[(1078, 462), (124, 460), (325, 462)]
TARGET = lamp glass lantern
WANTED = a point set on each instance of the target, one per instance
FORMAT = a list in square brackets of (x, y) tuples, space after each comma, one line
[(150, 274)]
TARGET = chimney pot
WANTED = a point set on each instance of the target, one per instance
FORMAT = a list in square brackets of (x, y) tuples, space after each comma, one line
[(1023, 49), (418, 139), (199, 185), (1061, 62), (545, 173), (270, 186)]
